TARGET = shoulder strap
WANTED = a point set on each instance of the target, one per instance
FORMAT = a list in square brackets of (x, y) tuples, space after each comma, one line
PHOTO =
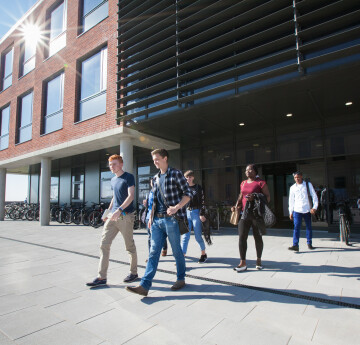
[(161, 192)]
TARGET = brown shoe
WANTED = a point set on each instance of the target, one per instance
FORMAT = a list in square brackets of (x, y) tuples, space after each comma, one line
[(138, 289), (163, 252), (179, 284)]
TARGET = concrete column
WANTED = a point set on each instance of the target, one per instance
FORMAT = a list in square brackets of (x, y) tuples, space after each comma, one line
[(2, 192), (127, 152), (45, 182)]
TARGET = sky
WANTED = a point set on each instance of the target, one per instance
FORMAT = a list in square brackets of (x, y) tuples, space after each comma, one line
[(10, 12)]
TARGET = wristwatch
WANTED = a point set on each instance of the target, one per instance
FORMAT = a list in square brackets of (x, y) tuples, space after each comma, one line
[(122, 211)]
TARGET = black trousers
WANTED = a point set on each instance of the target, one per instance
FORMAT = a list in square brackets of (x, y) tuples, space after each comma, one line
[(244, 228)]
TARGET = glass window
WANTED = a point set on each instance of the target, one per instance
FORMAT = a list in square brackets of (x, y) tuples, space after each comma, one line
[(28, 57), (4, 133), (7, 69), (94, 12), (54, 188), (105, 185), (93, 85), (25, 123), (77, 178), (57, 29), (54, 104)]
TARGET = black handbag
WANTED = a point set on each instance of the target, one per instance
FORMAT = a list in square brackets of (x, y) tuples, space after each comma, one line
[(269, 217), (182, 222), (183, 226)]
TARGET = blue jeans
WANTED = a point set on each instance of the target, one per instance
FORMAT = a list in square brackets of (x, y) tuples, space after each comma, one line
[(297, 225), (193, 217), (161, 228), (149, 240)]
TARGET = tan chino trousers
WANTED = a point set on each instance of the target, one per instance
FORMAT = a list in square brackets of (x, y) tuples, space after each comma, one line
[(125, 225)]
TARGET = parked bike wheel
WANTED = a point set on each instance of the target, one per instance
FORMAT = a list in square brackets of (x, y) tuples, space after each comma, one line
[(76, 217), (29, 215), (95, 219), (66, 217), (37, 215)]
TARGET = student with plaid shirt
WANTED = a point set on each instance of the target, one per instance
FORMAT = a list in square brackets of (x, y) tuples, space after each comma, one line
[(177, 194)]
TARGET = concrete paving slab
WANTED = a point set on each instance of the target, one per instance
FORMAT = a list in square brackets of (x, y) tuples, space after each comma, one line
[(61, 334), (333, 332), (295, 324), (245, 333), (4, 340), (117, 326), (298, 340), (176, 320), (24, 322), (78, 309), (211, 300), (49, 297), (159, 335), (11, 303)]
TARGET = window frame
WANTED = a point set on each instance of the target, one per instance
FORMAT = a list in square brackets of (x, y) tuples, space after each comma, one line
[(6, 135), (20, 114), (105, 170), (46, 116), (55, 175), (62, 35), (3, 67), (23, 62), (83, 15), (75, 171), (103, 51)]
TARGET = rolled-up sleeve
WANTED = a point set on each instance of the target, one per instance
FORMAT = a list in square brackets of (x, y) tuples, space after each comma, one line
[(181, 180)]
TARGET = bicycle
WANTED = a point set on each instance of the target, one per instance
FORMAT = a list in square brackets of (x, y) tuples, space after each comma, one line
[(95, 217), (344, 221)]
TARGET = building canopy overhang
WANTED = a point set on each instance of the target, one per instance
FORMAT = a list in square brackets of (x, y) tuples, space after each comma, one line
[(94, 142), (320, 97)]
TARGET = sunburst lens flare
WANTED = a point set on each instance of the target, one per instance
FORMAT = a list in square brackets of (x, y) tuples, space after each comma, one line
[(32, 34)]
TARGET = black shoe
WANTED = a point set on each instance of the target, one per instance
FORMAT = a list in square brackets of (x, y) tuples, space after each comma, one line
[(97, 282), (294, 248), (202, 259), (131, 278), (311, 247)]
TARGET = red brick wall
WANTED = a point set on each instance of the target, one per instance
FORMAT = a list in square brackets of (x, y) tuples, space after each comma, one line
[(76, 47)]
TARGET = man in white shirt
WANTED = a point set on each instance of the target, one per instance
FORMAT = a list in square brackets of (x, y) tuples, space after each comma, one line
[(300, 207)]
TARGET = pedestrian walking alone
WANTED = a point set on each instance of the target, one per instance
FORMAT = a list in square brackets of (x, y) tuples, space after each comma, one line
[(303, 202), (249, 188)]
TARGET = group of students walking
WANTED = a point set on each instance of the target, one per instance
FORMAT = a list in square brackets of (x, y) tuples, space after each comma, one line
[(175, 196)]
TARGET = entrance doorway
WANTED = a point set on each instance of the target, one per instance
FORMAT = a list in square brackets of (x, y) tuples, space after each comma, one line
[(279, 178)]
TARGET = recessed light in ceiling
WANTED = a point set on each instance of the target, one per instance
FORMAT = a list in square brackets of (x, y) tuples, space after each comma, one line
[(348, 103), (241, 124), (289, 115)]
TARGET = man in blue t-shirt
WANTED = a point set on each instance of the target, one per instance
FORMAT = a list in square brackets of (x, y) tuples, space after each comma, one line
[(119, 219)]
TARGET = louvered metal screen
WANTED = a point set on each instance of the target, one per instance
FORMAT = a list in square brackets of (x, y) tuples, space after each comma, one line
[(175, 54)]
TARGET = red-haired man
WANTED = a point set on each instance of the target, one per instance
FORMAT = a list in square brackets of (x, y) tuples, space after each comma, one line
[(120, 219)]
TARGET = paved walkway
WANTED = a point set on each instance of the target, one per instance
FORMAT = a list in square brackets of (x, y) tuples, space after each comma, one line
[(310, 297)]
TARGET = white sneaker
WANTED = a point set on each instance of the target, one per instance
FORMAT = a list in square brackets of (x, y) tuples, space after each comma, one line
[(240, 269)]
